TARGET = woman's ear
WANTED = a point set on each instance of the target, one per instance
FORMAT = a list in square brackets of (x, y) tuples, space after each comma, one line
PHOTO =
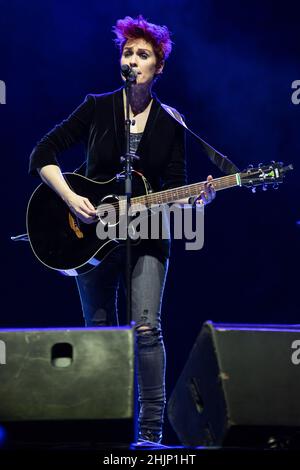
[(160, 68)]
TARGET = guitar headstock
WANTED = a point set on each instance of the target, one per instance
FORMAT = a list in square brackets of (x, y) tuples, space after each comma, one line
[(264, 175)]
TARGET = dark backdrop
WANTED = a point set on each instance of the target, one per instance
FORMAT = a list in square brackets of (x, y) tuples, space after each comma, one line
[(230, 74)]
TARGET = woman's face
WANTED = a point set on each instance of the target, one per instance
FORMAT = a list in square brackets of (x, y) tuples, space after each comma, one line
[(140, 56)]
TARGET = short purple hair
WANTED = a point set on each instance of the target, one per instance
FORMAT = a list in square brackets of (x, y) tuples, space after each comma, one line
[(136, 28)]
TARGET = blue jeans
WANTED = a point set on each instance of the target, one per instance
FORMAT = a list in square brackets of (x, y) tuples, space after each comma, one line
[(99, 294)]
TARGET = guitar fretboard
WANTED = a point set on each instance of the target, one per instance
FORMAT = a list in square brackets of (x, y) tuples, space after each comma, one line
[(171, 195)]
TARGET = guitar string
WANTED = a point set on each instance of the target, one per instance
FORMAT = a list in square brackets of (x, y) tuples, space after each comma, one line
[(111, 209), (156, 198)]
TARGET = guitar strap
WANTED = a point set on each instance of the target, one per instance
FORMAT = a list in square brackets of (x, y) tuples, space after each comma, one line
[(220, 160)]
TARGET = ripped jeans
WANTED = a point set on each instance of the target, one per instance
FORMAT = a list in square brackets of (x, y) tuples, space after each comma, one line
[(99, 294)]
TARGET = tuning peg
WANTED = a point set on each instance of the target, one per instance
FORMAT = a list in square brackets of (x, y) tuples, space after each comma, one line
[(275, 186), (276, 164), (253, 190), (264, 187), (260, 165), (120, 177)]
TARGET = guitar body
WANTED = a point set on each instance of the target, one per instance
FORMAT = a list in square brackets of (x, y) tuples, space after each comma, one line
[(59, 239)]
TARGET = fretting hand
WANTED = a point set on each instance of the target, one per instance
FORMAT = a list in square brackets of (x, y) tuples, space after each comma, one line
[(206, 196)]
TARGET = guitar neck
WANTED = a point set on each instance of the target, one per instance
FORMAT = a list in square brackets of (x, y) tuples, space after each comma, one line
[(171, 195)]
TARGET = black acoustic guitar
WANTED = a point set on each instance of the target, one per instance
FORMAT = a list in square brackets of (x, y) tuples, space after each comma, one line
[(63, 243)]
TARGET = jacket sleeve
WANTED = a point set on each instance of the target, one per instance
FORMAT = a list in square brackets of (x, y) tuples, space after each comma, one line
[(69, 132), (175, 174)]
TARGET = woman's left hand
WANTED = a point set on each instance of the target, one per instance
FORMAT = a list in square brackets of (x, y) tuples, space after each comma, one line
[(208, 195)]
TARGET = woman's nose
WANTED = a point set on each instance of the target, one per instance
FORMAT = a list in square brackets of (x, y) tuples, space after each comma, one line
[(133, 62)]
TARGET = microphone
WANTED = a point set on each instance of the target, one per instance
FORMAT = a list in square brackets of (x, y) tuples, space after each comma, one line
[(128, 73)]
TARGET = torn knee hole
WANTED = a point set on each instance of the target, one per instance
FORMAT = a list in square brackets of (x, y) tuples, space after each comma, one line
[(148, 337), (144, 329)]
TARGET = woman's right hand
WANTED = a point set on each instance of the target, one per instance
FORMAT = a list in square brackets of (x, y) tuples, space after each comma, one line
[(81, 207)]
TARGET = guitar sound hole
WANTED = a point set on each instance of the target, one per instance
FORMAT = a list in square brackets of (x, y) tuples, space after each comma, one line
[(108, 211)]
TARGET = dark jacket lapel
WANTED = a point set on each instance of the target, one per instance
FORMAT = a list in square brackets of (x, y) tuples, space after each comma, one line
[(153, 115), (119, 122)]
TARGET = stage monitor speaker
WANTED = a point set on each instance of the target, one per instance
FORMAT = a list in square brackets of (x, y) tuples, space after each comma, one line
[(61, 385), (240, 387)]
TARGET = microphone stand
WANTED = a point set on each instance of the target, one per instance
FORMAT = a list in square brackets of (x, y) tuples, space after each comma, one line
[(127, 160)]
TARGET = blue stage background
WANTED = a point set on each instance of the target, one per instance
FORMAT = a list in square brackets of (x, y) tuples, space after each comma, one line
[(230, 74)]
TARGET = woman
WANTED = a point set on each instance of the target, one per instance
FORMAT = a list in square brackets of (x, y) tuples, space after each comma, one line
[(159, 141)]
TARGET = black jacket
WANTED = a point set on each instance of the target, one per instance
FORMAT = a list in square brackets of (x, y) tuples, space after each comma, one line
[(99, 123)]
